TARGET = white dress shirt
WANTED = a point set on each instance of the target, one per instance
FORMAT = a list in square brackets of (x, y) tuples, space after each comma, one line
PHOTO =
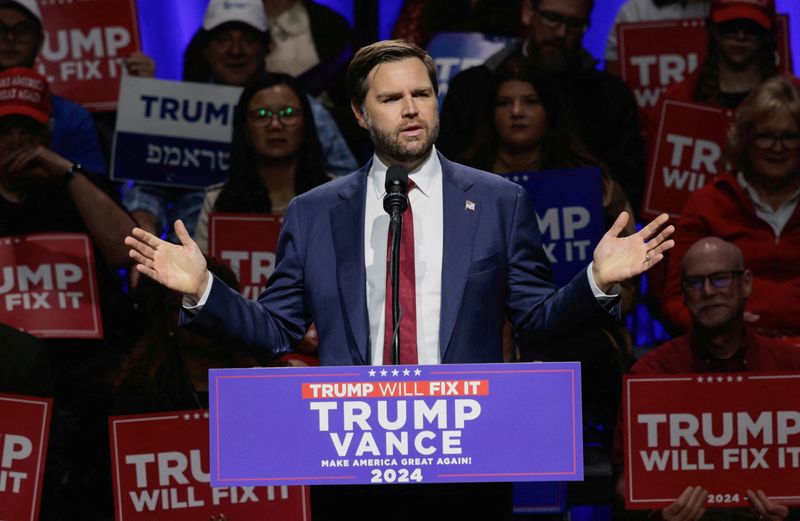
[(426, 201)]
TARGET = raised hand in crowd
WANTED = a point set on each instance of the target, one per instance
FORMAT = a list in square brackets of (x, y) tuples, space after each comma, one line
[(619, 258), (140, 64), (179, 267)]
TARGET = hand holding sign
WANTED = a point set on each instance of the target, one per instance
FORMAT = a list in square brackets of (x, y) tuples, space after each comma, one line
[(180, 268), (619, 258), (764, 508), (688, 506)]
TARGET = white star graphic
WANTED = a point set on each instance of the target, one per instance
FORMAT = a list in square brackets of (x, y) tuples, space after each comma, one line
[(384, 372), (406, 372), (395, 372), (739, 378), (205, 415), (197, 416), (417, 372), (700, 379), (372, 372), (186, 416), (719, 379), (730, 378)]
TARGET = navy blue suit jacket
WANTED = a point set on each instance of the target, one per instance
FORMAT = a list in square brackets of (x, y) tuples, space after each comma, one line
[(493, 267)]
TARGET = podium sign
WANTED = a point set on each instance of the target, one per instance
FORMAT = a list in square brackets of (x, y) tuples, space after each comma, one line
[(248, 244), (724, 432), (396, 424), (160, 471), (687, 155), (24, 429)]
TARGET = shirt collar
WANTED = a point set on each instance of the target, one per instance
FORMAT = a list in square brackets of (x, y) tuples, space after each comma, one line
[(423, 176), (740, 178)]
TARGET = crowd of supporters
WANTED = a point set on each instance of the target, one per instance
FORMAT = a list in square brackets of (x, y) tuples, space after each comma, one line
[(541, 102)]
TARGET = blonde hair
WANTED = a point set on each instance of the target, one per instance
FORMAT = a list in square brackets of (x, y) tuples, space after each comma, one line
[(773, 96)]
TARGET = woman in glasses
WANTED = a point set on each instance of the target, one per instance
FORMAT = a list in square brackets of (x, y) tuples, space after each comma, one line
[(755, 207), (275, 153)]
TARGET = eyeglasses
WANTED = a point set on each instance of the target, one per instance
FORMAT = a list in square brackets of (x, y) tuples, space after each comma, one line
[(288, 116), (22, 32), (718, 280), (767, 140), (553, 20)]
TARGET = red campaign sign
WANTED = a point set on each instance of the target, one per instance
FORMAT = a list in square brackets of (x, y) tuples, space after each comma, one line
[(48, 286), (247, 243), (86, 44), (724, 432), (655, 55), (687, 153), (160, 465), (24, 430)]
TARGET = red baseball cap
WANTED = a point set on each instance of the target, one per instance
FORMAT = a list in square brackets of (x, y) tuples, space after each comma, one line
[(25, 92), (761, 12)]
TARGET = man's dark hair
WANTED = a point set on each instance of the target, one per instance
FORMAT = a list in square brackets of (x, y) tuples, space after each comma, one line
[(535, 3), (383, 52)]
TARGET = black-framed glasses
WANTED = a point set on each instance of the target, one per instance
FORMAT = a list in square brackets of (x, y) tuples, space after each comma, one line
[(767, 140), (553, 20), (287, 116), (718, 280), (23, 32)]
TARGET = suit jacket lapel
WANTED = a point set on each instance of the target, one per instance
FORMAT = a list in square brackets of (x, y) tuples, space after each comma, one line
[(460, 225), (348, 243)]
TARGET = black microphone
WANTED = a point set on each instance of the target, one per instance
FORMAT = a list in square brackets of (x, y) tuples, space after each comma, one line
[(395, 201)]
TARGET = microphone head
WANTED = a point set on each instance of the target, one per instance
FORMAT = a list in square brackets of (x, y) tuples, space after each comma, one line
[(396, 179)]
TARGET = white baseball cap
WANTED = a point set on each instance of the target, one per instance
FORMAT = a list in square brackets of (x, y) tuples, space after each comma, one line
[(29, 5), (249, 12)]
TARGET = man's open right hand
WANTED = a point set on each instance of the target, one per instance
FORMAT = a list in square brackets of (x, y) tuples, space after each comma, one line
[(179, 267)]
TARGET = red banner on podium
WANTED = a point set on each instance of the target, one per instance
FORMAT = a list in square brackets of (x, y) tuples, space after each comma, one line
[(725, 432), (655, 55), (24, 430), (247, 243), (160, 465), (86, 44), (687, 153), (48, 286)]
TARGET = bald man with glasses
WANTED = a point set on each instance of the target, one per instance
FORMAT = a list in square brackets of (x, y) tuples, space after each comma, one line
[(715, 284)]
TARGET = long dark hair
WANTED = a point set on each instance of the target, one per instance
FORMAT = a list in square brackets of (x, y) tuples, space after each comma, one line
[(708, 80), (560, 148), (244, 191)]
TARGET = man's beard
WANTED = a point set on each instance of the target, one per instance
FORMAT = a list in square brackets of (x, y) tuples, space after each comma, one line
[(555, 59), (394, 149)]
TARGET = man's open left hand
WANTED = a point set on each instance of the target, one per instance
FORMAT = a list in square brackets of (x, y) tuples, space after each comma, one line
[(619, 258)]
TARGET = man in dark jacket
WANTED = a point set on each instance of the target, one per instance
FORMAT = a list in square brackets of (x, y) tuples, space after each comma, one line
[(600, 108)]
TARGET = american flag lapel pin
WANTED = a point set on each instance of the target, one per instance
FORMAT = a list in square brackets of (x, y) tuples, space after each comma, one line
[(469, 205)]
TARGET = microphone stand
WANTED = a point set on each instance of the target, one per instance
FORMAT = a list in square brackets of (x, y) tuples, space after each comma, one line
[(396, 229)]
